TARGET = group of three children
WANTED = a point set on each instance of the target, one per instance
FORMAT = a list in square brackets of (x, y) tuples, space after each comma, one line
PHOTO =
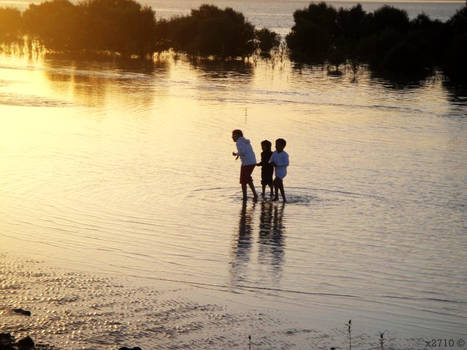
[(270, 161)]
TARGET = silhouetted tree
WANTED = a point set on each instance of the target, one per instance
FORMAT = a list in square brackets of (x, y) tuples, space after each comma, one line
[(267, 40), (429, 37), (162, 40), (351, 27), (121, 26), (314, 31), (385, 39), (388, 17), (10, 24), (209, 31), (55, 24), (383, 33), (456, 53)]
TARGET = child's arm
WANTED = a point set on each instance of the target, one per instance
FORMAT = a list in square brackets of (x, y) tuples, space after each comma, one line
[(239, 151), (272, 159)]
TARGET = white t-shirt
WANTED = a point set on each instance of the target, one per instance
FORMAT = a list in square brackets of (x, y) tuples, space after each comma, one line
[(281, 160), (245, 151)]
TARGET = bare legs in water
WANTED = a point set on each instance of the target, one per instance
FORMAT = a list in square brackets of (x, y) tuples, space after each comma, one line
[(252, 187), (279, 186)]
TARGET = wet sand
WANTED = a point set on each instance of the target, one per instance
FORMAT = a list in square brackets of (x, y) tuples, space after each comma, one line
[(73, 310)]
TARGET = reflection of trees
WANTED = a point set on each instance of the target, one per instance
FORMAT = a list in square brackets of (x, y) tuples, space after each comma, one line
[(221, 69), (395, 81), (270, 241), (457, 95), (386, 79), (91, 81)]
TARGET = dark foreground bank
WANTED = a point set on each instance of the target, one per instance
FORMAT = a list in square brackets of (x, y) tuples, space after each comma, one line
[(8, 342)]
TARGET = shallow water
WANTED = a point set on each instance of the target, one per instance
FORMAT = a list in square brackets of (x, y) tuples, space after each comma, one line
[(125, 169)]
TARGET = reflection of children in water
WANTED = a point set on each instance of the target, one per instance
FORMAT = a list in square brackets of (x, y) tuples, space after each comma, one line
[(271, 230), (270, 242), (242, 245)]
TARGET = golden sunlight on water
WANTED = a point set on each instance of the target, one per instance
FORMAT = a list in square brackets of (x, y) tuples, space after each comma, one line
[(126, 168)]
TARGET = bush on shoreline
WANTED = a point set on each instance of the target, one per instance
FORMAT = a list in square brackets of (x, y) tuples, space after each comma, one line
[(10, 24), (385, 39), (266, 40), (121, 26), (127, 28), (209, 31), (455, 64)]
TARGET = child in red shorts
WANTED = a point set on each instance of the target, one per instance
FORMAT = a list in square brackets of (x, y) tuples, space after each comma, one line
[(247, 156)]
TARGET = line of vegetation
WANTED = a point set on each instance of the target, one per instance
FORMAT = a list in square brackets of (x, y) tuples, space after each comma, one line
[(127, 28), (212, 31), (385, 39), (122, 26)]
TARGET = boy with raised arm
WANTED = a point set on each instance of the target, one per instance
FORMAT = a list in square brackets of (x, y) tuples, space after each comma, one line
[(247, 156)]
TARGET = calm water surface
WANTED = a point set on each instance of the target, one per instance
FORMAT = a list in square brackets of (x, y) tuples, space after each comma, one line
[(126, 168)]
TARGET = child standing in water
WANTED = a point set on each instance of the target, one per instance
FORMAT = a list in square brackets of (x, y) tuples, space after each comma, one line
[(247, 156), (267, 168), (280, 161)]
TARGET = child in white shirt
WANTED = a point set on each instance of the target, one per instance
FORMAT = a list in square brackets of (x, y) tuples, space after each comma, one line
[(280, 161), (247, 156)]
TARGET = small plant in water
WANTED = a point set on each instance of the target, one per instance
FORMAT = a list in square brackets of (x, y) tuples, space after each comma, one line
[(349, 327), (381, 340)]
